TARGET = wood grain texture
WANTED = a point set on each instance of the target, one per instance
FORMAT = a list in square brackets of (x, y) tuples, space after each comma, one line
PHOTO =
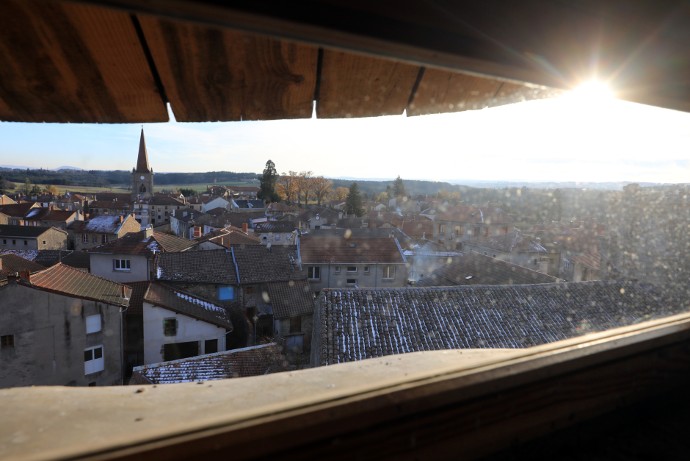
[(360, 86), (220, 75), (441, 91), (73, 63)]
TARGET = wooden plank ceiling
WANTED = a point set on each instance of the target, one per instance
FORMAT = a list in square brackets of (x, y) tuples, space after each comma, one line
[(72, 62)]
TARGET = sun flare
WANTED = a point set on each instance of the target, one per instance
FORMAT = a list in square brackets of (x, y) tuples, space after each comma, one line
[(592, 91)]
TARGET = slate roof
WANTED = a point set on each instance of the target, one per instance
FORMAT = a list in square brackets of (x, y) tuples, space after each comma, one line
[(236, 363), (212, 266), (258, 264), (358, 324), (337, 248), (67, 280), (7, 230), (290, 299), (274, 226), (77, 259), (187, 304), (476, 269), (50, 214)]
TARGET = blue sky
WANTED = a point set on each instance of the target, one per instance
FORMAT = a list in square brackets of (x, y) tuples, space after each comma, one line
[(565, 139)]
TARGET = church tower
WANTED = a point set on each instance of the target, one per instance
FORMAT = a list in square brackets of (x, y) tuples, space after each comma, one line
[(142, 175)]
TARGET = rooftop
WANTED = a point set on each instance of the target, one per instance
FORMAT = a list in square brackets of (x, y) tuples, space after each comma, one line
[(63, 279), (358, 324), (236, 363)]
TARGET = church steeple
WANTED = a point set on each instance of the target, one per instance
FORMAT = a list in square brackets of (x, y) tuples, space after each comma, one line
[(143, 158), (142, 175)]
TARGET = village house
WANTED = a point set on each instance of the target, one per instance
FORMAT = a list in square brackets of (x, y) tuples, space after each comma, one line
[(188, 222), (236, 363), (276, 232), (319, 218), (246, 205), (12, 264), (113, 207), (398, 321), (239, 279), (6, 200), (226, 238), (100, 230), (157, 210), (14, 214), (14, 237), (471, 268), (61, 326), (453, 226), (51, 217), (164, 323), (130, 258), (215, 202), (346, 258), (521, 249)]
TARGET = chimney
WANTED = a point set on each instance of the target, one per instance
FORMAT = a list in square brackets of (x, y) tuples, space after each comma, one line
[(148, 232), (245, 227), (121, 219), (25, 275)]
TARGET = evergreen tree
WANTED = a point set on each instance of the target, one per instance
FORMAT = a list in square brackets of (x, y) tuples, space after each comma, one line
[(268, 183), (398, 187), (353, 203)]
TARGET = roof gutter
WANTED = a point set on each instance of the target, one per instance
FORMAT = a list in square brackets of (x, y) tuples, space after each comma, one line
[(234, 261)]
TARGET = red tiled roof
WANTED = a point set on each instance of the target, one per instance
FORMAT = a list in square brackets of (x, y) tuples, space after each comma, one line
[(67, 280), (11, 263), (17, 210)]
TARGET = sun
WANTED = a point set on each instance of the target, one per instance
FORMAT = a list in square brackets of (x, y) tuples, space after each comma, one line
[(592, 91)]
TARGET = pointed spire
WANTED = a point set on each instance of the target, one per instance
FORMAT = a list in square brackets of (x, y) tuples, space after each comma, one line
[(143, 159)]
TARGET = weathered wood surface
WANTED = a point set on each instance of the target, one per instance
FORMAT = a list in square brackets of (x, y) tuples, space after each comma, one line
[(212, 74), (73, 63)]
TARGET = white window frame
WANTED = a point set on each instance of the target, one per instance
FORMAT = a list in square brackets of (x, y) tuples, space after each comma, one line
[(94, 364), (314, 272), (337, 269), (122, 265), (93, 324), (388, 272), (351, 269), (366, 270)]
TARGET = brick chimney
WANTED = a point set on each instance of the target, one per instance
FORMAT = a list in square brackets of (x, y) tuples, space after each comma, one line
[(245, 227), (25, 275)]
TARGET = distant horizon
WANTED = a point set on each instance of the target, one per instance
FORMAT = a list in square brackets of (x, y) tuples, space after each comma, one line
[(604, 185), (550, 140)]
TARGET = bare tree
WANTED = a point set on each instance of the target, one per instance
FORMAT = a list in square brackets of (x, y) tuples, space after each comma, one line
[(287, 186)]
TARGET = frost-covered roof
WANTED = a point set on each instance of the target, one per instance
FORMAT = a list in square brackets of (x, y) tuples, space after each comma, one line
[(187, 304), (358, 324), (105, 224), (236, 363)]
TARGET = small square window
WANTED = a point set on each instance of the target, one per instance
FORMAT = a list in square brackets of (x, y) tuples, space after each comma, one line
[(7, 341), (337, 269), (210, 346), (170, 327), (93, 324), (366, 269)]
